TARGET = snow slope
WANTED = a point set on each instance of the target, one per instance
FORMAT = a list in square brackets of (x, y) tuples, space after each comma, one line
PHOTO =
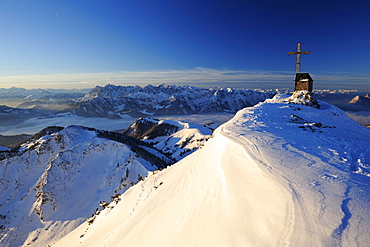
[(4, 148), (277, 174), (57, 181)]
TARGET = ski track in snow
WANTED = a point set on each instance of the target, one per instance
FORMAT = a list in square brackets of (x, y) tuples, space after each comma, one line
[(338, 232)]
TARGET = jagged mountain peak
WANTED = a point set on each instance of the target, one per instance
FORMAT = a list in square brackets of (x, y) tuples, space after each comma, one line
[(119, 101)]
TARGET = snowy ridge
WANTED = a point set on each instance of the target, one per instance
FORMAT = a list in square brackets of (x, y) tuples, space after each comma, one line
[(57, 180), (5, 110), (277, 174), (176, 139), (119, 101), (11, 115)]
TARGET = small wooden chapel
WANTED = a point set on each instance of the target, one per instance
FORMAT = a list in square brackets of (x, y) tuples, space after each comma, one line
[(303, 81)]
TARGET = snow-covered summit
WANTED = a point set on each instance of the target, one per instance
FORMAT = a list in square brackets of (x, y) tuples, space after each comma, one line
[(277, 174), (361, 100)]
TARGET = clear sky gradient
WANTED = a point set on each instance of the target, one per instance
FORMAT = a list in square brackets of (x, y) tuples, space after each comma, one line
[(241, 44)]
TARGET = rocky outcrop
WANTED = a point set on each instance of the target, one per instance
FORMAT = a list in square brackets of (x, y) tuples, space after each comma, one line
[(303, 98)]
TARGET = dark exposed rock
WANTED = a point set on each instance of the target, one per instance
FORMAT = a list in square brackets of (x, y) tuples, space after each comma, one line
[(149, 128)]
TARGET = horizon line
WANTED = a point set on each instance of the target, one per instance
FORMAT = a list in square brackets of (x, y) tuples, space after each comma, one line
[(198, 77)]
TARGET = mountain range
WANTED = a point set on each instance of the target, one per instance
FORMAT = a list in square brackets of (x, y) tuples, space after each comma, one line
[(44, 107), (117, 101)]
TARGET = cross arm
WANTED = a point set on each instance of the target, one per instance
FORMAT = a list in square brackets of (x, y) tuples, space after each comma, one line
[(300, 52)]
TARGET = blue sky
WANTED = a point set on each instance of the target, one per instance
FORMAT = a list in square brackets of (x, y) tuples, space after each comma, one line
[(242, 44)]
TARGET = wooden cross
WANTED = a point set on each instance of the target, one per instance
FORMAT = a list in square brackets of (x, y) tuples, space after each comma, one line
[(298, 52)]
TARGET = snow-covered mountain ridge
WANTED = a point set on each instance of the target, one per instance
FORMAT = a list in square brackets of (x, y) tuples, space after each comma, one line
[(361, 100), (277, 174), (43, 184), (118, 101), (55, 181), (10, 115), (174, 138)]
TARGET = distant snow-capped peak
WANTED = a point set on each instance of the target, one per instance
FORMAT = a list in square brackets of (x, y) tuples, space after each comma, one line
[(118, 101)]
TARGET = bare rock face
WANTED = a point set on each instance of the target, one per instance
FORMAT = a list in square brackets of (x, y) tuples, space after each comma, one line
[(150, 128), (304, 98)]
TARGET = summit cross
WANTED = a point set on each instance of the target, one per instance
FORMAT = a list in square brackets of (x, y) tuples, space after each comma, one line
[(298, 52)]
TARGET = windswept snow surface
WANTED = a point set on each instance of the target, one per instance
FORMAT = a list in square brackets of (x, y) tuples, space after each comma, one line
[(277, 174)]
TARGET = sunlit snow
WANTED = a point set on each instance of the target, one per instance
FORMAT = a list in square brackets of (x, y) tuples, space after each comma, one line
[(277, 174)]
